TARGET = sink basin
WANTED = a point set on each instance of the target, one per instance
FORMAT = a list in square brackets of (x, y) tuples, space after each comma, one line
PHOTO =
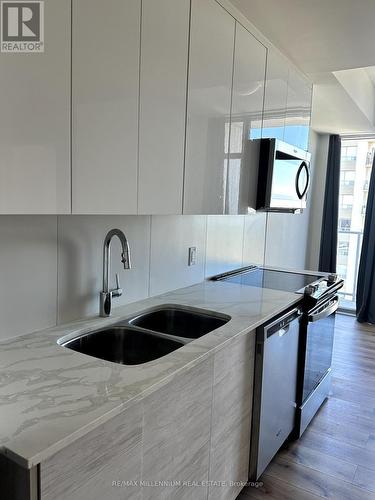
[(122, 345), (180, 322)]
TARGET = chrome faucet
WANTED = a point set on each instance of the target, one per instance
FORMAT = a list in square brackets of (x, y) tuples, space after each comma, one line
[(107, 295)]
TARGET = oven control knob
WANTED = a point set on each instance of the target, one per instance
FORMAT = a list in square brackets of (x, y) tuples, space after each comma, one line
[(332, 278), (310, 290)]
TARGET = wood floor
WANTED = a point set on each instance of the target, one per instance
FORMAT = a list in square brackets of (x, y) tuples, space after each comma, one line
[(335, 458)]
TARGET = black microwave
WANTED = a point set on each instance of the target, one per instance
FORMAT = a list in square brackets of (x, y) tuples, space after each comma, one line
[(283, 177)]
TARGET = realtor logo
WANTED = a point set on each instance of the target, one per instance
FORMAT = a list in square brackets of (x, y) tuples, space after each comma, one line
[(22, 26)]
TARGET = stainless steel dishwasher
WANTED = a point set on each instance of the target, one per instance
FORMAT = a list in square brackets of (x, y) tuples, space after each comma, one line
[(275, 388)]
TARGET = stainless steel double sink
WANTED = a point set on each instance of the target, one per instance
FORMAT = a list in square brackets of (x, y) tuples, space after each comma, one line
[(147, 336)]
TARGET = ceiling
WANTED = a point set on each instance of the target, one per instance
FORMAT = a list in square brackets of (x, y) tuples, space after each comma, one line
[(323, 38)]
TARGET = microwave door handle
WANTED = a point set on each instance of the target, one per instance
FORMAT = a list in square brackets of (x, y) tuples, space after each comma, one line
[(301, 167), (333, 306)]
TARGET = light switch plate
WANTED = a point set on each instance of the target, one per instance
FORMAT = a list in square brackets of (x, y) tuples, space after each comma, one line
[(192, 260)]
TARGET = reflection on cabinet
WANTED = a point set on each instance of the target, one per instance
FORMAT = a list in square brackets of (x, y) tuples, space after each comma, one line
[(246, 121), (35, 122), (105, 76), (231, 417), (208, 111), (298, 111), (275, 96), (164, 56)]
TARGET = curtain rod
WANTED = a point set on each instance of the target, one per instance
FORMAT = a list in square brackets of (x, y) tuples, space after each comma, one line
[(357, 137)]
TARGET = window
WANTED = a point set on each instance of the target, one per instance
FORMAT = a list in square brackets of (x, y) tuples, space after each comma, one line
[(347, 201), (348, 153), (344, 224), (347, 178), (356, 165), (343, 248)]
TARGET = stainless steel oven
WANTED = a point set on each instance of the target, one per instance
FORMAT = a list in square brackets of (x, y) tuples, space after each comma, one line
[(316, 346), (319, 303)]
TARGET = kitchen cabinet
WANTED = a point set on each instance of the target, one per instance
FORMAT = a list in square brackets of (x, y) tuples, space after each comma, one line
[(298, 112), (164, 437), (191, 433), (275, 102), (176, 439), (164, 58), (208, 108), (246, 121), (90, 467), (105, 88), (35, 122), (231, 417)]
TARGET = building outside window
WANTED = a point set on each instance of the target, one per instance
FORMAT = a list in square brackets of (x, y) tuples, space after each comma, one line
[(356, 164)]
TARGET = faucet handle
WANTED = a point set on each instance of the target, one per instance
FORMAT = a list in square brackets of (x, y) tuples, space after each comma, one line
[(117, 292), (125, 259)]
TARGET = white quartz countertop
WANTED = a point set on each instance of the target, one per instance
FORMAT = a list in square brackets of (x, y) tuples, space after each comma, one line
[(50, 395)]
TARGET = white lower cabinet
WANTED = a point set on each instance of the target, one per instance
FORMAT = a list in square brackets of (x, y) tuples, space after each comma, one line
[(93, 467), (231, 417), (35, 120), (105, 88), (190, 439)]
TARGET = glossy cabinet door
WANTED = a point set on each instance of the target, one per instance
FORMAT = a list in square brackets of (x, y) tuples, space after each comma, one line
[(246, 121), (105, 86), (208, 110), (298, 113), (35, 122), (275, 102), (164, 59)]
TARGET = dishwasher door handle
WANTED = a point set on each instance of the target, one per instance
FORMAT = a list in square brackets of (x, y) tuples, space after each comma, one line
[(283, 331), (330, 309), (284, 323)]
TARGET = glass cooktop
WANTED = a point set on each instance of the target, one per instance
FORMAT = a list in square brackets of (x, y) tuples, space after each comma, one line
[(276, 280)]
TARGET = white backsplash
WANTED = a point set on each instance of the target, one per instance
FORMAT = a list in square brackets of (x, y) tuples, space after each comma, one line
[(51, 267), (28, 274), (80, 273), (171, 237)]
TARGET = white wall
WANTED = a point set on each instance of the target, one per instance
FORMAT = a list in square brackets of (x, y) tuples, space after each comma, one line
[(51, 267), (289, 238), (319, 149)]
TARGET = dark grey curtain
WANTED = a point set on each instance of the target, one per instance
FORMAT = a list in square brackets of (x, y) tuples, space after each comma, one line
[(328, 241), (366, 281)]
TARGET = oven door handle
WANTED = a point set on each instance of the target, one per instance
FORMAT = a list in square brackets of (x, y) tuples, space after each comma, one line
[(333, 306)]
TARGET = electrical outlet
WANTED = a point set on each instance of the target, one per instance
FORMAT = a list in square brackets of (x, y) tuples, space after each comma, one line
[(192, 260)]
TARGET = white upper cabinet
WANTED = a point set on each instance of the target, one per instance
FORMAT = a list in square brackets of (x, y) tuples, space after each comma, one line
[(246, 121), (275, 102), (105, 75), (164, 58), (35, 121), (297, 124), (208, 110)]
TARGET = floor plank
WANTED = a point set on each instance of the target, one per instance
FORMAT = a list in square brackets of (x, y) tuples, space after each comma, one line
[(335, 458), (316, 482), (300, 454), (276, 489)]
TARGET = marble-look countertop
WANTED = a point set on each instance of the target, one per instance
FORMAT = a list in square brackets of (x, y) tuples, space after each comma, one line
[(50, 395)]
